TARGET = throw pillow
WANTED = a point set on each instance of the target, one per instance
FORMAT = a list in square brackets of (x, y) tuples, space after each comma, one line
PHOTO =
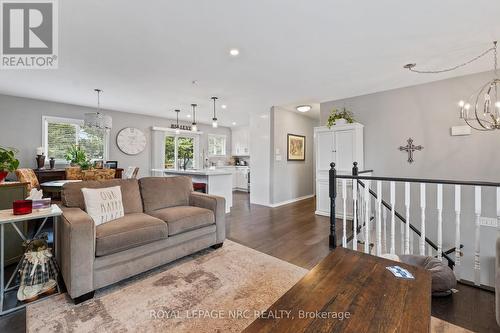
[(103, 204)]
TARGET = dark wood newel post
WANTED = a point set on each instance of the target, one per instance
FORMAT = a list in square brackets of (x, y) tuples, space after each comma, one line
[(355, 168), (333, 194)]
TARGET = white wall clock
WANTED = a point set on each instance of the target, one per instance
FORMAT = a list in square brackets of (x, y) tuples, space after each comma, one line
[(131, 141)]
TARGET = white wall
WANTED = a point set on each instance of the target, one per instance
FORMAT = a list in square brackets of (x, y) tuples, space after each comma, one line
[(426, 112), (21, 127), (291, 179), (260, 154)]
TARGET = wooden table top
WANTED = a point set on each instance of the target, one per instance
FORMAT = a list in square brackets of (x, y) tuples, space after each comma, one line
[(58, 183), (358, 287)]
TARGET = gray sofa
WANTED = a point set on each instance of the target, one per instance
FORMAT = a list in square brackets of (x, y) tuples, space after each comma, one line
[(164, 220)]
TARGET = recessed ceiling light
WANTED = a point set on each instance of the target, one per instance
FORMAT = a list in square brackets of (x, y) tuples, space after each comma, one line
[(303, 108), (224, 106), (234, 123), (189, 116), (234, 52)]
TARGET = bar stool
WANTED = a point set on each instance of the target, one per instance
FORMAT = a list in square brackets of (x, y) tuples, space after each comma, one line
[(200, 187)]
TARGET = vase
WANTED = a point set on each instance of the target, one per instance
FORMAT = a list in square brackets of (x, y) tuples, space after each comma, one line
[(3, 175), (40, 161), (340, 121), (52, 162)]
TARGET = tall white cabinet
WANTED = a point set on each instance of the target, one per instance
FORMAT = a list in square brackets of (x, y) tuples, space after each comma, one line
[(343, 145)]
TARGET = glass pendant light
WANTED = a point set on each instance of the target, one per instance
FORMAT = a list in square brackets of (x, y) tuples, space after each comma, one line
[(214, 119), (194, 128), (97, 119)]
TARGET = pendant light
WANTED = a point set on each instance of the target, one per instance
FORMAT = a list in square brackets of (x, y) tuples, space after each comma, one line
[(194, 128), (214, 119), (97, 119), (177, 129)]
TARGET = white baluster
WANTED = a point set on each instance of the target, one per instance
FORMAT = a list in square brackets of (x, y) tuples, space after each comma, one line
[(367, 216), (378, 227), (430, 249), (393, 224), (344, 224), (407, 206), (457, 230), (384, 229), (440, 221), (355, 217), (422, 224), (477, 247)]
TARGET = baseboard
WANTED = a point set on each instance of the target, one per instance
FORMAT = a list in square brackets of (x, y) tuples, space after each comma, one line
[(321, 213), (290, 201)]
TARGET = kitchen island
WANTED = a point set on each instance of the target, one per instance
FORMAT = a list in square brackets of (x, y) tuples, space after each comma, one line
[(218, 182)]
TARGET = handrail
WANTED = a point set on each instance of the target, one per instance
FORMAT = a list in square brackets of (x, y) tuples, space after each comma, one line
[(365, 171), (421, 180), (451, 262)]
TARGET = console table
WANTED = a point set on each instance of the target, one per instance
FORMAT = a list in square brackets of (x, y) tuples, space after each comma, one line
[(352, 282), (7, 217)]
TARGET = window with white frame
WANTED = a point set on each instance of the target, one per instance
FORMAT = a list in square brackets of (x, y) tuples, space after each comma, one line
[(216, 145), (59, 134), (181, 151)]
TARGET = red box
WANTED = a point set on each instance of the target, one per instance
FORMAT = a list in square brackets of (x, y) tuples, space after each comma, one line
[(21, 207)]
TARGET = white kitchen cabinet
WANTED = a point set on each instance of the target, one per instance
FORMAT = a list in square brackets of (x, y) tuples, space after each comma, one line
[(343, 145), (240, 141), (242, 178)]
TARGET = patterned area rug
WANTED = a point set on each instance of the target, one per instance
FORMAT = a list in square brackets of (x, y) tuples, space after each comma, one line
[(212, 291)]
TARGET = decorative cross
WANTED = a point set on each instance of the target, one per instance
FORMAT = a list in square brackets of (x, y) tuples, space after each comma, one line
[(410, 148)]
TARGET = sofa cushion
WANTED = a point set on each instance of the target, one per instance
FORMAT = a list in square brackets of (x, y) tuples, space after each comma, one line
[(103, 204), (72, 195), (184, 218), (129, 231), (164, 192)]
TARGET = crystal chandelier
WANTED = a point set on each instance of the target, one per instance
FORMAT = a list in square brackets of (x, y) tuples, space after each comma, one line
[(97, 119), (481, 111)]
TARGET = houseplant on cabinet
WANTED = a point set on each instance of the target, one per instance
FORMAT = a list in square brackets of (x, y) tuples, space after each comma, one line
[(77, 157), (8, 162), (340, 117)]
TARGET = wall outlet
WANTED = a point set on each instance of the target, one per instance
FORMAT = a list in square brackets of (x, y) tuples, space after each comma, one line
[(488, 221)]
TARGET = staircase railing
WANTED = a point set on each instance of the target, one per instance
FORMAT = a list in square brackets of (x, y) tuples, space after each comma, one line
[(382, 207)]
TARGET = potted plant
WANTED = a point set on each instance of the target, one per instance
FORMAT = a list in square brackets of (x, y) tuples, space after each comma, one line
[(8, 162), (340, 117), (77, 157)]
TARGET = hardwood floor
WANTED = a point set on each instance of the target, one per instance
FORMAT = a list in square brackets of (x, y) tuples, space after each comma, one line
[(295, 234)]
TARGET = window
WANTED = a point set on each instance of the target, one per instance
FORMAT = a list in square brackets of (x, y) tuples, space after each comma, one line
[(180, 152), (216, 145), (59, 134)]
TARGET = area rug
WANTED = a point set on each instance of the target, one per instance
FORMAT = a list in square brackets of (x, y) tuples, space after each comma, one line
[(213, 291), (219, 290)]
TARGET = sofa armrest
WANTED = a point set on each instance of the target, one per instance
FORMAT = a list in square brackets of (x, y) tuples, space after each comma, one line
[(76, 237), (217, 205)]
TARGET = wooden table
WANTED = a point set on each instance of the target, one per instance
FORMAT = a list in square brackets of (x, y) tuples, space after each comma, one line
[(360, 287), (54, 188)]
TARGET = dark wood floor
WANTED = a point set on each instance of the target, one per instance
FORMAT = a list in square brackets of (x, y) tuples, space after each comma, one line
[(295, 234)]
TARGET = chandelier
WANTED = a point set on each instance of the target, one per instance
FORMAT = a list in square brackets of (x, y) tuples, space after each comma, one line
[(481, 111), (97, 119)]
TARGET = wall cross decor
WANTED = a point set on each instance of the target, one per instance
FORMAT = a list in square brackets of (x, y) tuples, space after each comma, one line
[(410, 148)]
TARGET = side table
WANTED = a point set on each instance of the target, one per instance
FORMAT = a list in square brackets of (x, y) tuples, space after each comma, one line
[(7, 217)]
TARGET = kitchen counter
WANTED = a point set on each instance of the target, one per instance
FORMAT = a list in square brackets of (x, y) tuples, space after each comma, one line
[(200, 172), (218, 182)]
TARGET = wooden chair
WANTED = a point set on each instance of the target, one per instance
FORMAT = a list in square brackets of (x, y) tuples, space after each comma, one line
[(28, 176), (131, 172), (74, 173), (98, 174)]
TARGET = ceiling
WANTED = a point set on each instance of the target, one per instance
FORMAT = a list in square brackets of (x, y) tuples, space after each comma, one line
[(145, 55)]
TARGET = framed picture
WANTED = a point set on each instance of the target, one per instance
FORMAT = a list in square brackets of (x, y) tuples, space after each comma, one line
[(98, 164), (296, 147), (112, 164)]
